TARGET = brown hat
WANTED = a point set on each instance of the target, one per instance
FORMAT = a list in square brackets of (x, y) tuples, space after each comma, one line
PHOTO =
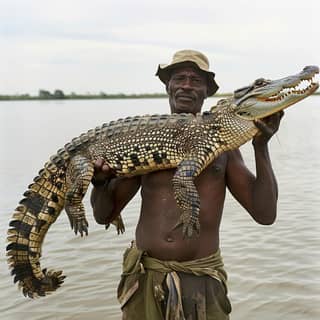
[(188, 58)]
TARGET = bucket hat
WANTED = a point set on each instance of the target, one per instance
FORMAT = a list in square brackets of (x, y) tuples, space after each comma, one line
[(188, 58)]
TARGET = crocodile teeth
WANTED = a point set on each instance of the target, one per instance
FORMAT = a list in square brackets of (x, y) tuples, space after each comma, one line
[(301, 88)]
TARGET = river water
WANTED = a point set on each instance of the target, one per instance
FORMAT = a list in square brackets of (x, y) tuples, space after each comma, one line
[(273, 270)]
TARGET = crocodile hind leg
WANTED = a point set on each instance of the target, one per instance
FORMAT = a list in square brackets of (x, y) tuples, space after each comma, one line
[(187, 196), (79, 175)]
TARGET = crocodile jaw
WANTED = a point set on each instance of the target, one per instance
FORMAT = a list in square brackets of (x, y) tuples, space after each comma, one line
[(277, 95)]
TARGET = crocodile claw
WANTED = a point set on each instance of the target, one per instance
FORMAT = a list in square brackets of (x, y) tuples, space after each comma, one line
[(79, 224), (188, 226), (34, 288), (118, 223)]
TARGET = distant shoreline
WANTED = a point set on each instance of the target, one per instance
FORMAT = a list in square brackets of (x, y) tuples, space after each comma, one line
[(23, 97), (92, 96)]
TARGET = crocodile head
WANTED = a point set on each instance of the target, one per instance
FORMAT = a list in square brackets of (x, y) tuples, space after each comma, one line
[(266, 97)]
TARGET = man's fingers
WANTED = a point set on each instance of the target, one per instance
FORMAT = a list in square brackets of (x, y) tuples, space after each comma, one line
[(105, 168), (101, 165), (98, 164), (281, 113), (102, 171), (263, 127), (270, 124)]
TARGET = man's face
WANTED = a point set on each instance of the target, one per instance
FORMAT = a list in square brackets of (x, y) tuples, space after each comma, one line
[(187, 89)]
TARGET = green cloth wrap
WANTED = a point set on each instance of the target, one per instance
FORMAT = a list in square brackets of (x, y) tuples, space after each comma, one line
[(136, 263)]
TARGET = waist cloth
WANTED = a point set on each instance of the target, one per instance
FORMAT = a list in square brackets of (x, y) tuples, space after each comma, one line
[(154, 289)]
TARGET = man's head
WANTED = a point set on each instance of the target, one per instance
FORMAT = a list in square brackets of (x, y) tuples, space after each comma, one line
[(188, 81)]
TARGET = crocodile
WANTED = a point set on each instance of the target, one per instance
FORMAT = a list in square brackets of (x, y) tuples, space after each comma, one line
[(136, 146)]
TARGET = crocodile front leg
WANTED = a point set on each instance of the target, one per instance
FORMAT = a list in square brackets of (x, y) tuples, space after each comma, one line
[(187, 196), (79, 175)]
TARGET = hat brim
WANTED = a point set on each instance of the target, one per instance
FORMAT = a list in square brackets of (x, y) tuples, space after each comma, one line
[(164, 74)]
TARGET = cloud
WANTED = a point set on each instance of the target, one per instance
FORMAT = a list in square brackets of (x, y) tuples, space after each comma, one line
[(115, 46)]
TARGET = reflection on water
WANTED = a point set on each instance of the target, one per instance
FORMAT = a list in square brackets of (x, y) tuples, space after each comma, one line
[(273, 271)]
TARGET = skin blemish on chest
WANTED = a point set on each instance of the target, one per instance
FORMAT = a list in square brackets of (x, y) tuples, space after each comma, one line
[(216, 168)]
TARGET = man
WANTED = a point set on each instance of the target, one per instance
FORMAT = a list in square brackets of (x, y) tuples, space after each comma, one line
[(166, 276)]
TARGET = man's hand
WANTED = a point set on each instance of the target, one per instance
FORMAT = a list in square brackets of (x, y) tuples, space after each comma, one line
[(102, 172), (268, 127)]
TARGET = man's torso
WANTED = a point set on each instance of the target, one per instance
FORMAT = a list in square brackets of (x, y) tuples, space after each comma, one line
[(159, 214)]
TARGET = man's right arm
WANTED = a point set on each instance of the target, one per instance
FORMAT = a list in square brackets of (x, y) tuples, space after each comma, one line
[(110, 194)]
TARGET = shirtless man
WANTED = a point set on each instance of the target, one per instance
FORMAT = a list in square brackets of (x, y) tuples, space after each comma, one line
[(201, 295)]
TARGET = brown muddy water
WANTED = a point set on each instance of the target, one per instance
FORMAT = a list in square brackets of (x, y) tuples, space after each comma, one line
[(273, 270)]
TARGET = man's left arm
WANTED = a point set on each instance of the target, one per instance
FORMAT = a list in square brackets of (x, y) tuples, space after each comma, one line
[(258, 194)]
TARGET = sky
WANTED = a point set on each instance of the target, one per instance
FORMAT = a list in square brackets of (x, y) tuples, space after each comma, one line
[(115, 46)]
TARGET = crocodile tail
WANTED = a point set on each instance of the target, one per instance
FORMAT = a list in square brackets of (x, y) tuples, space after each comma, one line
[(42, 203), (40, 207)]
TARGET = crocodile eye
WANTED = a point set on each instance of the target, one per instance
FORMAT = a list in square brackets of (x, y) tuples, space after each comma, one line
[(260, 82), (244, 113)]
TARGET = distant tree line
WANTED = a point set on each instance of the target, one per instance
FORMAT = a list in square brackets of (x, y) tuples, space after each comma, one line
[(59, 94)]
